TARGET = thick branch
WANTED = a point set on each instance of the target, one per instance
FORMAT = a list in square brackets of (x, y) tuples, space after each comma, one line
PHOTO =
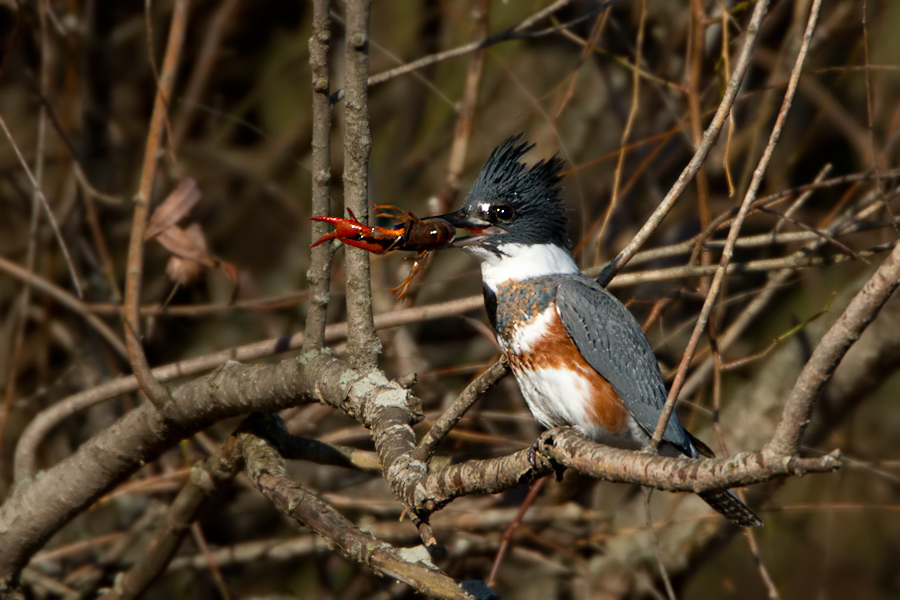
[(207, 477), (831, 350), (42, 505), (266, 470), (569, 448)]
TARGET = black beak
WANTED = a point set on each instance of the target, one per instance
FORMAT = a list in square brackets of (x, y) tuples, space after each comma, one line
[(462, 221), (477, 227)]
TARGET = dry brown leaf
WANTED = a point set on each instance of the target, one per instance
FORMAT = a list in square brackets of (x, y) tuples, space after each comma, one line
[(175, 207), (183, 271), (187, 243), (191, 257)]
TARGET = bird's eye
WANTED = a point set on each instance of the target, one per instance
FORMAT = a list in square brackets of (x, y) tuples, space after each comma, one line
[(502, 212)]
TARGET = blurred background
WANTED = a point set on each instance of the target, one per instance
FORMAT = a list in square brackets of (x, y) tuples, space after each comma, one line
[(622, 95)]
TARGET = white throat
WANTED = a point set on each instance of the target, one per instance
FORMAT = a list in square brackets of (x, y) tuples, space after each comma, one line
[(524, 261)]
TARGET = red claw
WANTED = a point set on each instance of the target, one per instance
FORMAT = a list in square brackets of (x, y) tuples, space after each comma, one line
[(350, 231), (412, 233), (327, 236)]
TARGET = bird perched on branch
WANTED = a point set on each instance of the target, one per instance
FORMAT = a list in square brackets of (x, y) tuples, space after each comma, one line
[(578, 355)]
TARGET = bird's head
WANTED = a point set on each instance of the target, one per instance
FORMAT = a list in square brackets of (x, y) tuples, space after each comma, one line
[(510, 204)]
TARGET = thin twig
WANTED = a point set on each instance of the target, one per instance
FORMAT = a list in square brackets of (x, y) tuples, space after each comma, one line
[(458, 408), (362, 344), (40, 194), (749, 197), (320, 256), (693, 95), (199, 77), (517, 32), (709, 138), (216, 572), (718, 368), (799, 260), (877, 158), (463, 133), (66, 299), (726, 68), (801, 200), (771, 588), (821, 234), (142, 200), (626, 132), (506, 540)]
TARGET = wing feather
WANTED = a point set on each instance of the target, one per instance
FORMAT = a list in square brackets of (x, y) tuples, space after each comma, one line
[(612, 342)]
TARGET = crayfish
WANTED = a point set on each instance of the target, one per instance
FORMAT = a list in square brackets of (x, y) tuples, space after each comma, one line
[(418, 235)]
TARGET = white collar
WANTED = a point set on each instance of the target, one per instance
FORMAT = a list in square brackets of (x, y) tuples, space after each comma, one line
[(517, 262)]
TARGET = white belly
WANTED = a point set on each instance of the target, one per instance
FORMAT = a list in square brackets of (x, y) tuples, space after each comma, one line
[(558, 397)]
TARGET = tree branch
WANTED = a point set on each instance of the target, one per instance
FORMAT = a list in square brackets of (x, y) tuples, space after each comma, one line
[(699, 158), (320, 256), (267, 472), (207, 478), (362, 344), (135, 271), (831, 350)]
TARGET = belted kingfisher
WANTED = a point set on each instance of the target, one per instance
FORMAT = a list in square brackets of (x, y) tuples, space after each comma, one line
[(579, 356)]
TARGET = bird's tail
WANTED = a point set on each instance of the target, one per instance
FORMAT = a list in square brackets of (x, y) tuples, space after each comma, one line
[(729, 506)]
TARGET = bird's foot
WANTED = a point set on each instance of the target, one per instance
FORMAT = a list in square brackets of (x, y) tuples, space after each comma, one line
[(534, 455)]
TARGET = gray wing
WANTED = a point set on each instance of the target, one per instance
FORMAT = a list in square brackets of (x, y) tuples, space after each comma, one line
[(612, 342)]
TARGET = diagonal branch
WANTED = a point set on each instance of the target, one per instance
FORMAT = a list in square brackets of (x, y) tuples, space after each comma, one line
[(135, 270), (266, 469), (718, 279), (207, 477), (831, 350), (709, 139)]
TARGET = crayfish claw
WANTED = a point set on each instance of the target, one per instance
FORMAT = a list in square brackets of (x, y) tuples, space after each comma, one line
[(336, 234), (323, 239), (377, 240)]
